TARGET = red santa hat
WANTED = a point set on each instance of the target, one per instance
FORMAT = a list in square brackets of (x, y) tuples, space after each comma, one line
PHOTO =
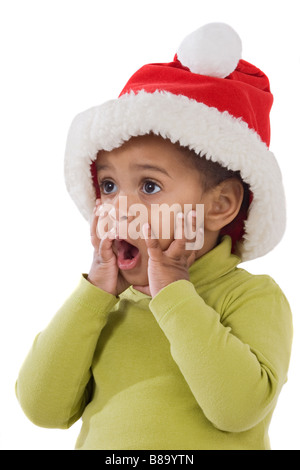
[(207, 99)]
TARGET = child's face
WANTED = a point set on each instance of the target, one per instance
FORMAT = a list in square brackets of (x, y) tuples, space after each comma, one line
[(146, 170)]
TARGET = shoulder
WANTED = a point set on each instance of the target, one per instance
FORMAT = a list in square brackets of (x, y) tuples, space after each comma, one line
[(259, 314), (255, 284), (258, 297), (239, 286)]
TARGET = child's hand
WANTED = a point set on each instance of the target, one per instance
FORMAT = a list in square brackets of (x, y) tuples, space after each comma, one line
[(104, 272), (165, 267)]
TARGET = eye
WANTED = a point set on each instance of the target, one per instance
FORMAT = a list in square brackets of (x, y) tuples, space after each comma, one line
[(107, 187), (150, 187)]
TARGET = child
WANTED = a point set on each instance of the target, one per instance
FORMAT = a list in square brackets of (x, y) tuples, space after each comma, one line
[(160, 346)]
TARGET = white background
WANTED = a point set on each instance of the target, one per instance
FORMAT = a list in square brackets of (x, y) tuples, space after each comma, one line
[(59, 57)]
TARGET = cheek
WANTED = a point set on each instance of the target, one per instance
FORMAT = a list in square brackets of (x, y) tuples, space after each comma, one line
[(162, 223)]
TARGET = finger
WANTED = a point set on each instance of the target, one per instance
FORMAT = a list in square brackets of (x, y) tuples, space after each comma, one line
[(191, 225), (93, 224), (198, 243), (105, 248), (95, 210), (104, 223), (179, 232), (93, 227), (152, 243), (177, 247), (185, 228)]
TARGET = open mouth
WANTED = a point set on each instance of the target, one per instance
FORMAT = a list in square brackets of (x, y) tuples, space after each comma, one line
[(127, 254)]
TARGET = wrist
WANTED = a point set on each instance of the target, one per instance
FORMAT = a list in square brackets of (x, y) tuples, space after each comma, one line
[(99, 284), (90, 295), (160, 286), (168, 298)]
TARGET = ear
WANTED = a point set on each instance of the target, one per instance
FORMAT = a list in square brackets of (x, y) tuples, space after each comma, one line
[(223, 204)]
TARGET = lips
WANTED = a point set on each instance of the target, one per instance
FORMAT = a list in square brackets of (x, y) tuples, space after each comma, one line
[(127, 254)]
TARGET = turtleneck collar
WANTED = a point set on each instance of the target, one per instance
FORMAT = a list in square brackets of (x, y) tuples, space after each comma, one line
[(214, 264)]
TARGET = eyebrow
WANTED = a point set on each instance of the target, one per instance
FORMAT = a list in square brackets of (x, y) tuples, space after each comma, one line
[(140, 166), (147, 166), (102, 167)]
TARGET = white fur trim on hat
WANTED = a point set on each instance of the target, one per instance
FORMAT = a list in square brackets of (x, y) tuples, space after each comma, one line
[(219, 136)]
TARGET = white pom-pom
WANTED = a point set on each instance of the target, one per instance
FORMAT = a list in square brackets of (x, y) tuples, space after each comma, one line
[(214, 50)]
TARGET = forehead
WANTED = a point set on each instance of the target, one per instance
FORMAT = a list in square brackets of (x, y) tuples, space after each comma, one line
[(149, 149)]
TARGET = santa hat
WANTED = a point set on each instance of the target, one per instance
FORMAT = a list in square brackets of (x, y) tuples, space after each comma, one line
[(207, 99)]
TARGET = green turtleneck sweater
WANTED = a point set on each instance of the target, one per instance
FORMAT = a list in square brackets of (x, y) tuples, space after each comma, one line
[(199, 366)]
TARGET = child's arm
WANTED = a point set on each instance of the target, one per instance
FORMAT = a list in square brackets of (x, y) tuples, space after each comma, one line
[(236, 365), (52, 386)]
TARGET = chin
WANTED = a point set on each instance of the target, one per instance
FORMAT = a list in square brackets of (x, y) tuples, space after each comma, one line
[(135, 278)]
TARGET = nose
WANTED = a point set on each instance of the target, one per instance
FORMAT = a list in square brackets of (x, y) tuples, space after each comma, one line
[(127, 209), (121, 209), (122, 217)]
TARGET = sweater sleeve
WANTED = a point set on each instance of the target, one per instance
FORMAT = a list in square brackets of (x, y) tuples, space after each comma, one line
[(53, 384), (234, 364)]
